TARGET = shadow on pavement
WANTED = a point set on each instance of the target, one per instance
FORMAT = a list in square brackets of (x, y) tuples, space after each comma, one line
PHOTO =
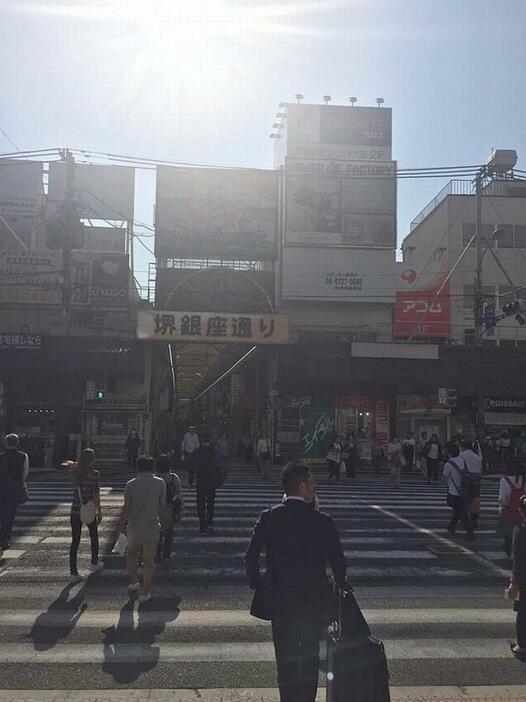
[(45, 634), (129, 651)]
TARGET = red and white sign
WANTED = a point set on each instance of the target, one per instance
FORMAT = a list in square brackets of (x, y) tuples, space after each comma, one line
[(423, 312)]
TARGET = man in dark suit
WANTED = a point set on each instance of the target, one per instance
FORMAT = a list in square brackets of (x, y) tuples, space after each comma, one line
[(14, 467), (299, 543)]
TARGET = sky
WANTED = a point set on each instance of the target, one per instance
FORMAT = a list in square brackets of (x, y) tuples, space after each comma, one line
[(200, 81)]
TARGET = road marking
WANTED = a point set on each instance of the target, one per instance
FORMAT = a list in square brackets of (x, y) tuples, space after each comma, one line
[(488, 565), (176, 619), (238, 651)]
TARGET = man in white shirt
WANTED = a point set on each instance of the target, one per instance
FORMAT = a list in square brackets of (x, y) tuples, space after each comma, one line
[(473, 460), (453, 472), (189, 446), (474, 464)]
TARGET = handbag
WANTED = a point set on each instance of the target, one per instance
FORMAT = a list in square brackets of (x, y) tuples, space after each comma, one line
[(88, 511)]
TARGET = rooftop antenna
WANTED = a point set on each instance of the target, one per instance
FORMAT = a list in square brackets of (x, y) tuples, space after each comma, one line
[(299, 97), (379, 101), (326, 99), (353, 100)]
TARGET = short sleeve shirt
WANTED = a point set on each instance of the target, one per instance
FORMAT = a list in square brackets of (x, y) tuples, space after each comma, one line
[(144, 497)]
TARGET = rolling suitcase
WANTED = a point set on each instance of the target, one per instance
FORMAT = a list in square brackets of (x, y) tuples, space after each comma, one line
[(356, 663)]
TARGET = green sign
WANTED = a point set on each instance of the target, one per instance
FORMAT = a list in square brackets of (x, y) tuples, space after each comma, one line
[(317, 432)]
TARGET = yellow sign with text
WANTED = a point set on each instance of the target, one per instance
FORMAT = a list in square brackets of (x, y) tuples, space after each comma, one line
[(213, 327)]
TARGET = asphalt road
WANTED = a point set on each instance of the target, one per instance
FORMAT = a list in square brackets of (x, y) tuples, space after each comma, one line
[(436, 603)]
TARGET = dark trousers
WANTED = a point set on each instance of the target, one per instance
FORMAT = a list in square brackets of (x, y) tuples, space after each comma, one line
[(409, 455), (205, 507), (520, 607), (432, 468), (189, 464), (350, 468), (132, 461), (8, 510), (297, 646), (460, 514), (76, 529), (334, 470), (164, 547)]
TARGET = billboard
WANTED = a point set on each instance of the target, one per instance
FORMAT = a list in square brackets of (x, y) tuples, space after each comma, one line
[(317, 432), (33, 278), (20, 196), (423, 313), (339, 274), (340, 125), (110, 281), (345, 211), (111, 239), (223, 213), (100, 192), (213, 327)]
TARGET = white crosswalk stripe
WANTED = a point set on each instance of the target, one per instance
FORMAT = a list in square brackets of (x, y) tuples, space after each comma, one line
[(428, 603)]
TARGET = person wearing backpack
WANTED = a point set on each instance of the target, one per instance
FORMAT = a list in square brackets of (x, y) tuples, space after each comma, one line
[(516, 591), (512, 488), (458, 490), (171, 511)]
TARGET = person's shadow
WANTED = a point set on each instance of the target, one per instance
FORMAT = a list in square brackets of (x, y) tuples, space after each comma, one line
[(59, 620), (128, 650)]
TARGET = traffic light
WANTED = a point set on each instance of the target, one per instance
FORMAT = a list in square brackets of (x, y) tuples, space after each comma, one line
[(516, 308), (99, 395)]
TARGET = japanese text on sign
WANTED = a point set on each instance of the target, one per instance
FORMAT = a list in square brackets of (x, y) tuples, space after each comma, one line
[(211, 327)]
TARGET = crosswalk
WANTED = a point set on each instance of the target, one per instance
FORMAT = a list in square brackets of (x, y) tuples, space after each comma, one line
[(435, 601)]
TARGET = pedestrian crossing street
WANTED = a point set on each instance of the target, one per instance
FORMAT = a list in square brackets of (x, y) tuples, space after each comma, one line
[(436, 602)]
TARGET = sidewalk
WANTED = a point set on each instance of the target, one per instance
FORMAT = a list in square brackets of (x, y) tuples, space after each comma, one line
[(497, 693)]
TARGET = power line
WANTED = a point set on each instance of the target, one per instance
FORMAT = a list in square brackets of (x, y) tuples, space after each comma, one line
[(9, 139)]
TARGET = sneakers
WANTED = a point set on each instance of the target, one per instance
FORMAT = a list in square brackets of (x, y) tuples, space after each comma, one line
[(144, 597), (74, 578), (95, 567), (133, 588)]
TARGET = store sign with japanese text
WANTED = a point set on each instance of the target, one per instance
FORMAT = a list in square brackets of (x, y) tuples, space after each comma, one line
[(213, 327), (20, 341), (423, 313), (338, 152), (33, 278)]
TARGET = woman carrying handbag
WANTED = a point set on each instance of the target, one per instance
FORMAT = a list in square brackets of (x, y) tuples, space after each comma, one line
[(85, 509)]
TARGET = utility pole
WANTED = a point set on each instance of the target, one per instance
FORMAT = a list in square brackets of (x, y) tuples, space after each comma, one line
[(70, 227), (478, 269)]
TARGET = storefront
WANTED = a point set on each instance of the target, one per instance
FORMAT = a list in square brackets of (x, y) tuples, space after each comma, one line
[(108, 421), (418, 414), (505, 414), (364, 418)]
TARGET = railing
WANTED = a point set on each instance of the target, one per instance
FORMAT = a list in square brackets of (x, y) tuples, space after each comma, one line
[(454, 187)]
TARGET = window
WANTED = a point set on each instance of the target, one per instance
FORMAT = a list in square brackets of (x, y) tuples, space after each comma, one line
[(488, 295), (505, 295), (468, 231), (520, 236), (506, 239)]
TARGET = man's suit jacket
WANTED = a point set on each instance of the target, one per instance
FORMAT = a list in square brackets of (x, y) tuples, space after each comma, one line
[(299, 543)]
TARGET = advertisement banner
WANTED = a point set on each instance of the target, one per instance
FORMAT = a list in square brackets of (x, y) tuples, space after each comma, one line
[(108, 239), (209, 212), (317, 432), (343, 169), (338, 152), (110, 281), (21, 191), (213, 327), (34, 278), (333, 124), (422, 313), (345, 211), (100, 192), (339, 274)]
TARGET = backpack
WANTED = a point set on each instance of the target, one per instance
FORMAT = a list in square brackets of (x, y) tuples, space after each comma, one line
[(513, 508), (469, 483), (173, 500)]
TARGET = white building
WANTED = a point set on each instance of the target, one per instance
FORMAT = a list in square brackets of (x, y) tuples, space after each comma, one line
[(440, 233)]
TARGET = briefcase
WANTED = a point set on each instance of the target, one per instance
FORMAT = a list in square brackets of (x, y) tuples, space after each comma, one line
[(356, 661)]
